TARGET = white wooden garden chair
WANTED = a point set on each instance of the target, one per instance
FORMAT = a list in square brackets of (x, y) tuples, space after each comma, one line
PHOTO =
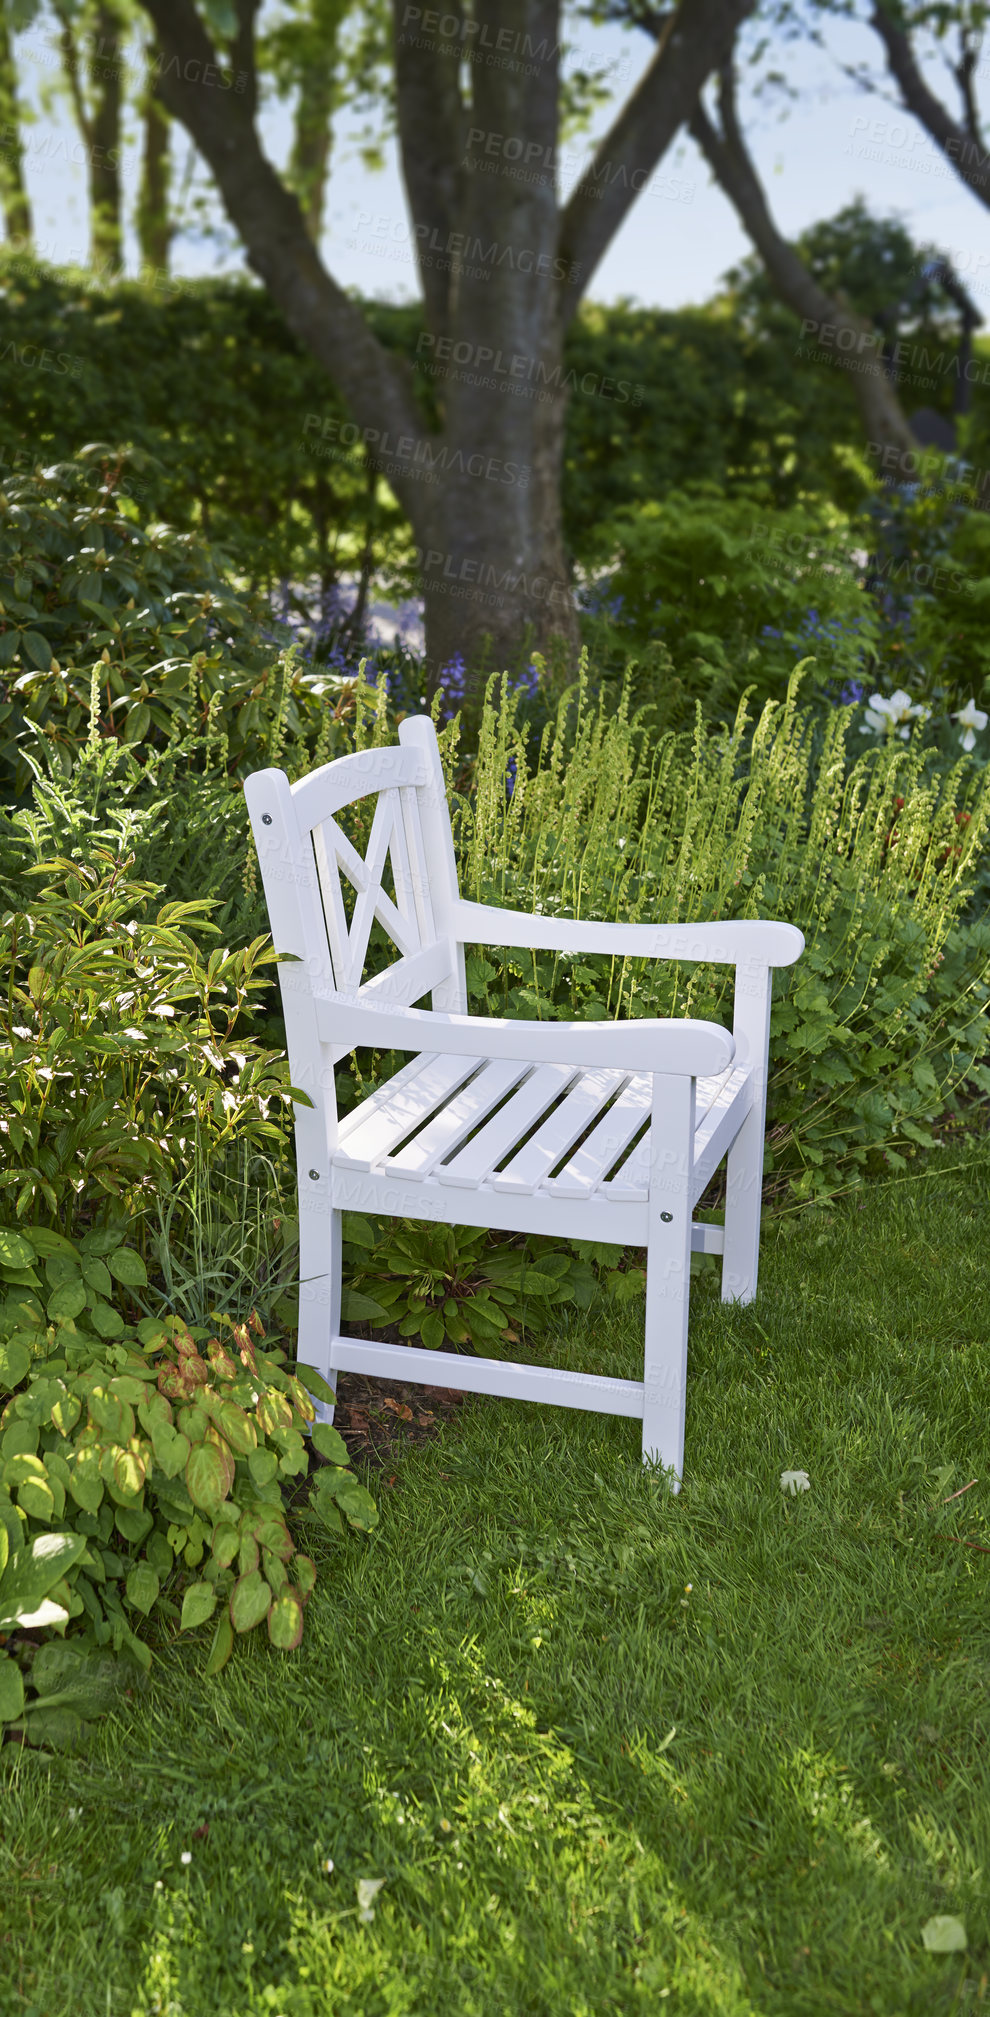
[(529, 1127)]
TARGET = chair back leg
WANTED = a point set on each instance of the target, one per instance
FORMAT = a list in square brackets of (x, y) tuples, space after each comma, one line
[(743, 1200), (668, 1273)]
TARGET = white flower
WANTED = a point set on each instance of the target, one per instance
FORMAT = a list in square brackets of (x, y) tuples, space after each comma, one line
[(367, 1891), (970, 717), (186, 1856), (795, 1481), (883, 713), (328, 1865)]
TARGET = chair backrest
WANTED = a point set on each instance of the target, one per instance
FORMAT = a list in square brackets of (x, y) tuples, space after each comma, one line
[(306, 858)]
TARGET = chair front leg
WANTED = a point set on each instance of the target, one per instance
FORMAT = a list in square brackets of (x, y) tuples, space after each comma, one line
[(320, 1277), (668, 1272)]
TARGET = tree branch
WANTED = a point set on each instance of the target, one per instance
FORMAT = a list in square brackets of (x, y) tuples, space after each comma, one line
[(431, 124), (972, 164), (826, 319), (377, 387), (70, 64), (963, 72), (690, 43)]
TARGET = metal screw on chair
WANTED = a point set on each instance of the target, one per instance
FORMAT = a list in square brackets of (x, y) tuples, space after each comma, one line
[(315, 1174), (666, 1217), (266, 819)]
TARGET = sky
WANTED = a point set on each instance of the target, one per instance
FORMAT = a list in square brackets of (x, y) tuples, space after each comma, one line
[(834, 143)]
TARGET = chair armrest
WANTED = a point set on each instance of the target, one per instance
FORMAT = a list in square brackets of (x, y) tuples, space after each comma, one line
[(737, 942), (672, 1044)]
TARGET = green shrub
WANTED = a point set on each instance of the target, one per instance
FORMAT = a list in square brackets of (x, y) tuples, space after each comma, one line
[(124, 1039), (880, 1023), (724, 592), (165, 1462), (460, 1284), (182, 661)]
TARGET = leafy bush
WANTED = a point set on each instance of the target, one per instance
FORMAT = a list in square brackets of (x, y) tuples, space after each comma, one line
[(439, 1283), (183, 661), (123, 1039), (881, 1022), (165, 1462), (733, 592)]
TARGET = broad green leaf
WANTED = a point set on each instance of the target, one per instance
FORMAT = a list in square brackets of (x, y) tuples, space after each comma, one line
[(263, 1466), (11, 1690), (97, 1277), (142, 1587), (433, 1331), (32, 1571), (225, 1543), (304, 1573), (85, 1481), (198, 1604), (274, 1535), (356, 1504), (238, 1428), (127, 1267), (250, 1601), (15, 1363), (138, 722), (315, 1384), (38, 649), (60, 1729), (107, 1321), (133, 1522), (223, 1640), (37, 1496), (66, 1413), (67, 1302), (171, 1448), (112, 1414), (15, 1250), (206, 1477), (128, 1474), (357, 1308), (285, 1621), (329, 1442)]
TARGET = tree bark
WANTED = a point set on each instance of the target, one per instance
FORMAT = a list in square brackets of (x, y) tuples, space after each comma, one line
[(104, 170), (827, 326), (13, 189), (154, 226), (502, 270), (962, 147), (99, 125), (316, 102)]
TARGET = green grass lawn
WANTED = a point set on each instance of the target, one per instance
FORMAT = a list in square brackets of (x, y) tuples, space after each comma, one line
[(585, 1786)]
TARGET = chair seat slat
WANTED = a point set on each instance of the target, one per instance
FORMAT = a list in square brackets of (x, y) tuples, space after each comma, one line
[(536, 1158), (716, 1096), (456, 1119), (382, 1126), (614, 1132), (476, 1160)]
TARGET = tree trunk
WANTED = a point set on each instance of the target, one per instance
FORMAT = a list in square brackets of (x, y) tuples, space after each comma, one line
[(502, 269), (153, 224), (13, 190), (496, 585), (105, 70)]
